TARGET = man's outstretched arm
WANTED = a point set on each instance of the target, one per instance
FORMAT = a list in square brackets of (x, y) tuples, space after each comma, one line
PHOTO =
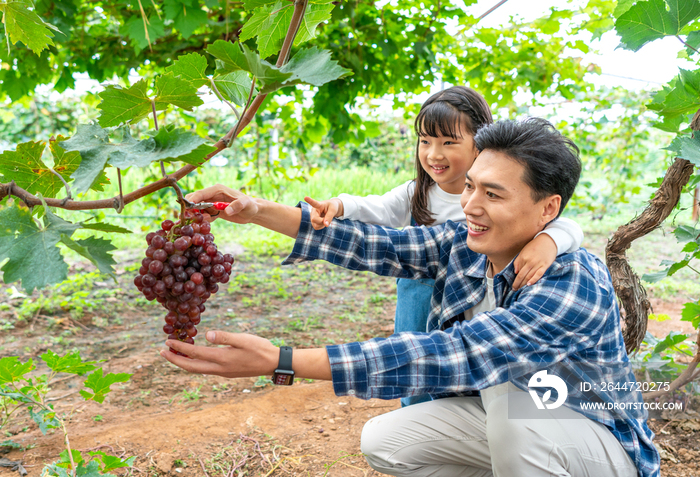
[(244, 210), (241, 355)]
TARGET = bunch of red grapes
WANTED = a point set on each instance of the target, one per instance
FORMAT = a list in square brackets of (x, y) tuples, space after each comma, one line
[(181, 271)]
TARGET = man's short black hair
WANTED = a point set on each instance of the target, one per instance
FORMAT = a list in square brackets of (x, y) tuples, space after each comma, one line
[(551, 160)]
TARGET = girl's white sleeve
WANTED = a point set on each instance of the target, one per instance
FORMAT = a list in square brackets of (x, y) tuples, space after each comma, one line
[(566, 234), (392, 209)]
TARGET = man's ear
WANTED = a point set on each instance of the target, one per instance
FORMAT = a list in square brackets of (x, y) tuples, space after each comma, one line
[(550, 208)]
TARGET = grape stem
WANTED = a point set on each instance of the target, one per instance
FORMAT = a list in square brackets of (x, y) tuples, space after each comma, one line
[(68, 195), (31, 200), (220, 96), (120, 202), (155, 115), (245, 110)]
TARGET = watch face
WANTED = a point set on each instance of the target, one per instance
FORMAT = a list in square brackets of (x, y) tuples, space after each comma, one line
[(283, 378)]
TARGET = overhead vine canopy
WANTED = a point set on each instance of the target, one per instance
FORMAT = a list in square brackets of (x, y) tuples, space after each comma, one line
[(402, 46)]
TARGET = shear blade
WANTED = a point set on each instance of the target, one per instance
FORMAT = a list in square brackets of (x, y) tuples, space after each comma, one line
[(200, 205)]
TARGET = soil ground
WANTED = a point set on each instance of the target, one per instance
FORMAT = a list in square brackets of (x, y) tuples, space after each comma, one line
[(179, 424)]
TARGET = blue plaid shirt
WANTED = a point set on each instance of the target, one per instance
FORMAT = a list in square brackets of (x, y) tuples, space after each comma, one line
[(570, 314)]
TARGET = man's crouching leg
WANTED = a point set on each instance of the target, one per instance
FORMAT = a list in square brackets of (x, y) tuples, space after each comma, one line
[(563, 443), (446, 437)]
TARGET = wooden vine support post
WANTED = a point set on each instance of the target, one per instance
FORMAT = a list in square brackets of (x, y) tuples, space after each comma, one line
[(629, 290), (170, 180)]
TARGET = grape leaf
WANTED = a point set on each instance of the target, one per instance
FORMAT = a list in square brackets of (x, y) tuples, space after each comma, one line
[(649, 20), (28, 170), (66, 163), (229, 54), (111, 462), (169, 144), (269, 24), (94, 249), (121, 105), (253, 4), (310, 66), (175, 90), (676, 100), (103, 227), (691, 312), (70, 363), (672, 124), (45, 419), (654, 277), (136, 30), (34, 257), (622, 6), (89, 141), (673, 339), (100, 385), (177, 144), (12, 369), (234, 57), (686, 233), (234, 86), (75, 454), (23, 24), (314, 15), (186, 16), (191, 67), (261, 69), (687, 148), (690, 247), (692, 41), (30, 173)]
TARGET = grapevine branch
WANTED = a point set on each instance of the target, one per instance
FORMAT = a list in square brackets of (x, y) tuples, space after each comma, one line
[(627, 286), (171, 179)]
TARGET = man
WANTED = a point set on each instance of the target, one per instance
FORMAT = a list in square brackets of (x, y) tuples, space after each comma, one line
[(483, 332)]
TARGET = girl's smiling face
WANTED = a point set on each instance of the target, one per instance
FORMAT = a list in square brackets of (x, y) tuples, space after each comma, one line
[(447, 159)]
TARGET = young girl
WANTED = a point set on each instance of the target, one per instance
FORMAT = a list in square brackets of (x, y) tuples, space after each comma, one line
[(446, 125)]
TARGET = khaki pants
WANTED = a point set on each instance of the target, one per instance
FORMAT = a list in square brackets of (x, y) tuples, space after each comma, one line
[(457, 437)]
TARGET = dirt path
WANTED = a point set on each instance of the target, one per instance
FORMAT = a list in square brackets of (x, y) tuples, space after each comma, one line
[(300, 430)]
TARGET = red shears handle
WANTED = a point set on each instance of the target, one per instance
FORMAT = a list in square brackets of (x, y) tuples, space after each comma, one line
[(220, 205)]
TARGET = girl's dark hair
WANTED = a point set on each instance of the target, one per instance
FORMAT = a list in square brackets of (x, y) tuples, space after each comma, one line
[(445, 113)]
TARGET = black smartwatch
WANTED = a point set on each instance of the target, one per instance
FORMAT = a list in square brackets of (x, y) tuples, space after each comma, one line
[(284, 374)]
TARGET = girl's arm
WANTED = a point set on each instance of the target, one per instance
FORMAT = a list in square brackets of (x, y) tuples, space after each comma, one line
[(392, 209), (559, 237)]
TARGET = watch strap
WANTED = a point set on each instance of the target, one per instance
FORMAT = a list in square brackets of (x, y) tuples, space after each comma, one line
[(285, 362)]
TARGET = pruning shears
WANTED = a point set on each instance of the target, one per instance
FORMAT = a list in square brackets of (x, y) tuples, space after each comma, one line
[(205, 205)]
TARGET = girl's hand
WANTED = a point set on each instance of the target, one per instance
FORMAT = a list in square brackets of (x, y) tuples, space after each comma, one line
[(241, 209), (323, 212), (534, 259)]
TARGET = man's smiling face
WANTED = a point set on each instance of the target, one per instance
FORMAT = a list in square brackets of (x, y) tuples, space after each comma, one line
[(501, 214)]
